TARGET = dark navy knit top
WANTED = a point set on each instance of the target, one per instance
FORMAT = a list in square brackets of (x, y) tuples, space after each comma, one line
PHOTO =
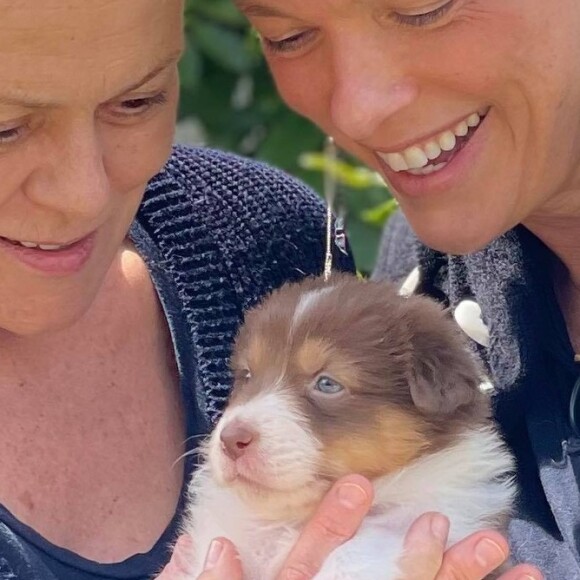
[(217, 233)]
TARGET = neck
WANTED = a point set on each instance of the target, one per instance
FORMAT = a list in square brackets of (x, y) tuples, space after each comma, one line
[(561, 233)]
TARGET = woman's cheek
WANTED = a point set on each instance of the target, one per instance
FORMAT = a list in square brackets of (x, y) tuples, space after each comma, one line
[(135, 154)]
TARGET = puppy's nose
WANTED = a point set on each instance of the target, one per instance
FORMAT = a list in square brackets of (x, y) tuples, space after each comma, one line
[(236, 438)]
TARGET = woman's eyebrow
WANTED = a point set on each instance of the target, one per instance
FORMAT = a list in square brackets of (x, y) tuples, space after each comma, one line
[(170, 60), (30, 102), (252, 8)]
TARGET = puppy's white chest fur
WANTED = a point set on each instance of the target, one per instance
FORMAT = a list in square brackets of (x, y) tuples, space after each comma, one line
[(469, 482)]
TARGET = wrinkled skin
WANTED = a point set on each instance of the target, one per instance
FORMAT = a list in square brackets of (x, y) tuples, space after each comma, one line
[(373, 82), (81, 132)]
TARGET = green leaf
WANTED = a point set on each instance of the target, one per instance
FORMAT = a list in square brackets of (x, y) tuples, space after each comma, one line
[(220, 11), (223, 46), (190, 67), (344, 173), (379, 215)]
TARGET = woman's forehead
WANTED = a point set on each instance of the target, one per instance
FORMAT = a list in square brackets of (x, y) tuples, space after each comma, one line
[(58, 43), (274, 8), (57, 26)]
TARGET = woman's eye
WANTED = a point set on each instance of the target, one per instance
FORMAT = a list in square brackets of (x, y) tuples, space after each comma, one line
[(133, 107), (8, 136), (289, 44), (424, 18), (328, 386)]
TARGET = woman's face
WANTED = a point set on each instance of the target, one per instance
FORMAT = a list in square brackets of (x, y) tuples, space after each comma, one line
[(487, 92), (88, 93)]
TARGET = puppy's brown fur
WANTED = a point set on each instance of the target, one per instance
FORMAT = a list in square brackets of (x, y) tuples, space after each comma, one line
[(410, 383), (342, 377)]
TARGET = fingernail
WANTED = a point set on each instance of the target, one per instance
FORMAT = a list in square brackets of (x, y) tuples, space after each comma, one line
[(440, 527), (182, 553), (488, 554), (213, 555), (528, 577), (184, 543), (352, 496)]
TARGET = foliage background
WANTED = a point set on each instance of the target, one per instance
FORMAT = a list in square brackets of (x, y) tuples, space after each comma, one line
[(228, 100)]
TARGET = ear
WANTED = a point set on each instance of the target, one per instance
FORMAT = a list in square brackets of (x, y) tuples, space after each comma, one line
[(444, 376)]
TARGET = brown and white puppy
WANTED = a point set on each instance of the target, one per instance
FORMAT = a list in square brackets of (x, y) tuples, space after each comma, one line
[(348, 377)]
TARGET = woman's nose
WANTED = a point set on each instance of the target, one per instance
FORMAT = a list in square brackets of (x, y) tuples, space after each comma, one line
[(72, 178), (368, 89)]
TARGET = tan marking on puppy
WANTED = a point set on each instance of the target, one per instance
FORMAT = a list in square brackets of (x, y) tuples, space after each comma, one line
[(388, 445), (319, 356), (313, 355), (256, 354)]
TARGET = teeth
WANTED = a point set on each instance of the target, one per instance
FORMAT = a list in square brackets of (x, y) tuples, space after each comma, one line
[(416, 158), (32, 245), (432, 150), (473, 120), (427, 170), (447, 141), (461, 129), (396, 162)]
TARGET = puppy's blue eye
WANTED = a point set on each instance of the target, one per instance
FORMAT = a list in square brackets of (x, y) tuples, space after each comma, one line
[(327, 386)]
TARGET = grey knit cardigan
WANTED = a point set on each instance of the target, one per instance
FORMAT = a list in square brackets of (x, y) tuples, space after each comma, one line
[(505, 280)]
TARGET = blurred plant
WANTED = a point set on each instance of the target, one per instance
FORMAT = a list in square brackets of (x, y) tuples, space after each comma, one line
[(227, 89)]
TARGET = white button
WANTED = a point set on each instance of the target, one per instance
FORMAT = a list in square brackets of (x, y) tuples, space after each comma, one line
[(468, 317), (411, 283)]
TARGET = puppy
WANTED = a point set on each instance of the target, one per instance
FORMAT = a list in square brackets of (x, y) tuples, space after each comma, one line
[(348, 377)]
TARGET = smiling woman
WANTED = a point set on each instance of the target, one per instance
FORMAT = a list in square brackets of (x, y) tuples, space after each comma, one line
[(470, 111)]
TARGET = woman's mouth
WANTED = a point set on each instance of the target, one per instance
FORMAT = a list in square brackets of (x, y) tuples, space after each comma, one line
[(429, 161), (34, 245), (51, 258)]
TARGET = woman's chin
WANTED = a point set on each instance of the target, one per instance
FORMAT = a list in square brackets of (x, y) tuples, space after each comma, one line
[(43, 315), (456, 236), (37, 326)]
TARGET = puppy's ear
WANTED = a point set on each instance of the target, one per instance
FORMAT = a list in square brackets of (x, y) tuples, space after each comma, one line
[(444, 376)]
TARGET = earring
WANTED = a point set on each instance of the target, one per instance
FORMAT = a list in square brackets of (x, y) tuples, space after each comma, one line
[(330, 196)]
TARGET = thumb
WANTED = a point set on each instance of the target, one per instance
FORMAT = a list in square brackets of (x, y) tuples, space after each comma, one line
[(180, 564), (424, 547), (222, 562)]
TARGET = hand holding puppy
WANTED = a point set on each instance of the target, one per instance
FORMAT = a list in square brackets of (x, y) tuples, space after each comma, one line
[(339, 377), (338, 518)]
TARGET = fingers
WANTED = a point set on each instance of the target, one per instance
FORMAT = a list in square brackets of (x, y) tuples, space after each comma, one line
[(335, 521), (474, 557), (425, 547), (222, 562), (180, 562), (522, 572), (471, 559)]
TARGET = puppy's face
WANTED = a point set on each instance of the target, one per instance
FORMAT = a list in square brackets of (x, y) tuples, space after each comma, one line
[(337, 378)]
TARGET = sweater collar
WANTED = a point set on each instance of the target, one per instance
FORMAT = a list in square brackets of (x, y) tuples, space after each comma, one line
[(503, 279)]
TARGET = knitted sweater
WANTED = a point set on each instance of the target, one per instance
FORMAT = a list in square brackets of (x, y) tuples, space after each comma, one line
[(218, 233), (510, 281)]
